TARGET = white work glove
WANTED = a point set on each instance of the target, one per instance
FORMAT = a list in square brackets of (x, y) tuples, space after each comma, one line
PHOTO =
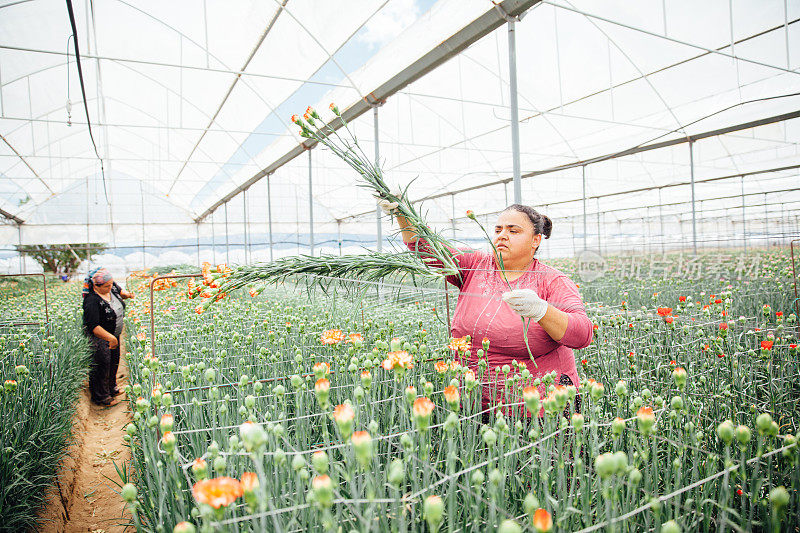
[(525, 302), (389, 208)]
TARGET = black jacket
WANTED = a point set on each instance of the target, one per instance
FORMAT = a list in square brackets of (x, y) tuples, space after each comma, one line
[(98, 312)]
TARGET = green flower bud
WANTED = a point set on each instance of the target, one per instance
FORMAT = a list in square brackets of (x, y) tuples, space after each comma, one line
[(220, 465), (676, 403), (184, 527), (725, 432), (320, 462), (577, 422), (605, 465), (396, 474), (433, 510), (621, 461), (530, 503), (779, 497), (509, 526), (298, 462), (129, 492), (670, 527), (763, 422), (743, 434)]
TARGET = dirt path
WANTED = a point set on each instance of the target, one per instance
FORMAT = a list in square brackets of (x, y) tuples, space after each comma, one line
[(86, 498)]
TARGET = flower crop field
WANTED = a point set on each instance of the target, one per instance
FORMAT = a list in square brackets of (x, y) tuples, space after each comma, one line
[(42, 368), (300, 409)]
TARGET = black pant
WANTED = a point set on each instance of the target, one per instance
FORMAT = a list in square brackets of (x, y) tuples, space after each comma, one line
[(103, 373)]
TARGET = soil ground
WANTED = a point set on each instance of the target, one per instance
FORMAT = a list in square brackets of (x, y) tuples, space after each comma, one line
[(86, 496)]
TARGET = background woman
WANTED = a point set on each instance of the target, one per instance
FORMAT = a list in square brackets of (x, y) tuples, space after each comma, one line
[(103, 314), (488, 308)]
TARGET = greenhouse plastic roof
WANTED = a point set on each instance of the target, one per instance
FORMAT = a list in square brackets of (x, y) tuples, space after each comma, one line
[(190, 101)]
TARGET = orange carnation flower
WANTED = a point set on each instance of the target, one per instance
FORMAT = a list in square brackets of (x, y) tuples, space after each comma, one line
[(217, 492)]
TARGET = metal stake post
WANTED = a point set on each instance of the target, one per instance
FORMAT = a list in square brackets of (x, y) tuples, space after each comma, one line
[(512, 78), (339, 235), (766, 221), (310, 207), (21, 255), (197, 229), (141, 202), (694, 217), (378, 213), (583, 174), (453, 209), (269, 218), (213, 242), (227, 248), (599, 225), (661, 221), (246, 240)]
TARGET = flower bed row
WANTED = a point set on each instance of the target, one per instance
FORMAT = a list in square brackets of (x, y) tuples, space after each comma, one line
[(42, 368), (296, 411)]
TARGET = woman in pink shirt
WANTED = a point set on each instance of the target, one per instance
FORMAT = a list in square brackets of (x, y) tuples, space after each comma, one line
[(488, 308)]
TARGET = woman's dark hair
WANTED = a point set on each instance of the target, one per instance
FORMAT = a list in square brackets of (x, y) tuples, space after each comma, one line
[(541, 223)]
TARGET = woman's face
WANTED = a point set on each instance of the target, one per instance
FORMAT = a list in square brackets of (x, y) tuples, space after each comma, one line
[(514, 238), (105, 288)]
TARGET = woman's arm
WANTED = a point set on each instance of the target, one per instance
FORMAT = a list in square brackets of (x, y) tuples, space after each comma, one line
[(561, 315), (554, 322), (101, 333), (407, 231)]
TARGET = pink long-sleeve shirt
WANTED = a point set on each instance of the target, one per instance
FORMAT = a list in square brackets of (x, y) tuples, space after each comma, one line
[(481, 312)]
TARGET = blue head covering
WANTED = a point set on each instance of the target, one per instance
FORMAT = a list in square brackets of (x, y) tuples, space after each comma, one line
[(97, 276)]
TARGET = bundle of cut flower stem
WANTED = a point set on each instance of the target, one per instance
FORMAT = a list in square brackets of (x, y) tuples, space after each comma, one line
[(312, 127), (368, 267)]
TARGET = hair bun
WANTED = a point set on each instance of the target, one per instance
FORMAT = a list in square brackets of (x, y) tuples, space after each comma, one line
[(547, 226)]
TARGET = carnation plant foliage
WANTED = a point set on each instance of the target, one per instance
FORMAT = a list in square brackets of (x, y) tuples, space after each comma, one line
[(292, 408)]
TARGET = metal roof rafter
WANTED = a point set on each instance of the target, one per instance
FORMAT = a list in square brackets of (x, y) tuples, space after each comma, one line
[(230, 90), (450, 47), (615, 155)]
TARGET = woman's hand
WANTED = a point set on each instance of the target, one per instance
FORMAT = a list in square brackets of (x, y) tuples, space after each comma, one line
[(126, 294), (389, 208), (527, 303), (102, 334)]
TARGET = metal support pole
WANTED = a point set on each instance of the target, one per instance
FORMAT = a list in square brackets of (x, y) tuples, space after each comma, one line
[(599, 225), (269, 219), (197, 230), (213, 241), (744, 220), (583, 177), (246, 239), (453, 209), (339, 235), (512, 79), (378, 213), (766, 221), (141, 202), (694, 216), (21, 256), (310, 208), (227, 247), (661, 221)]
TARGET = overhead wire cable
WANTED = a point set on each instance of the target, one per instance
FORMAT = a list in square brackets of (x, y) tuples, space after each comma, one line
[(83, 94)]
